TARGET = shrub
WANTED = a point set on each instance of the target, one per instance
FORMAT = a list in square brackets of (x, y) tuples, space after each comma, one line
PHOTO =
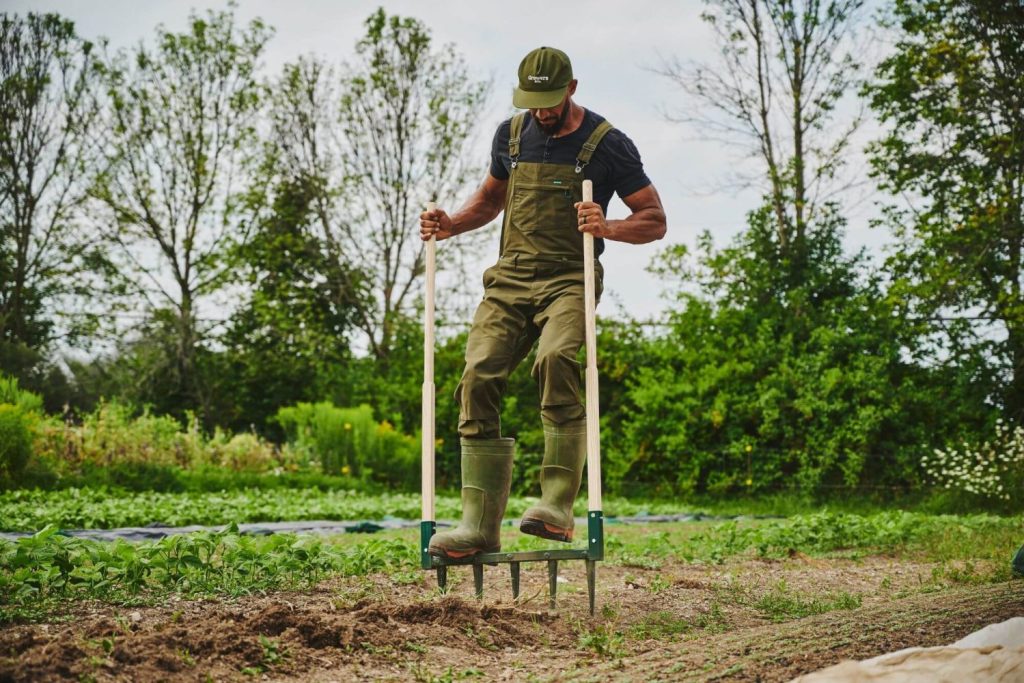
[(111, 434), (239, 452), (25, 400), (348, 441), (113, 437), (15, 440)]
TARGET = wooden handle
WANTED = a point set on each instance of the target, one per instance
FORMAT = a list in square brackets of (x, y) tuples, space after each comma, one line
[(593, 412), (427, 424)]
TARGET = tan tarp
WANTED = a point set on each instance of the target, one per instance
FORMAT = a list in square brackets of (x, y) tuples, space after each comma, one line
[(995, 654)]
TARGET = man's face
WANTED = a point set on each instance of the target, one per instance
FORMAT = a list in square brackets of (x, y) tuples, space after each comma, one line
[(550, 120)]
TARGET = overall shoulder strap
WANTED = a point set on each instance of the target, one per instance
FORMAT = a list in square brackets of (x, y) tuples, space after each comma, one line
[(587, 151), (514, 136)]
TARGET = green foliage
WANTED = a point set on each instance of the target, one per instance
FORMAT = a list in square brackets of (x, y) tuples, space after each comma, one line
[(114, 435), (184, 111), (102, 509), (15, 441), (288, 341), (760, 382), (828, 532), (349, 441), (279, 498), (26, 401), (48, 111), (48, 568), (949, 99)]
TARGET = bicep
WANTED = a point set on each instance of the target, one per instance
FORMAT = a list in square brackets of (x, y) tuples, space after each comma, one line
[(643, 199), (493, 192)]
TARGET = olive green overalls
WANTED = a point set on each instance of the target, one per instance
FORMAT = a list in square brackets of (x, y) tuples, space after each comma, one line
[(534, 292)]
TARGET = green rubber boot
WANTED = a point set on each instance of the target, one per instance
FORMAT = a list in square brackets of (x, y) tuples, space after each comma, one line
[(486, 479), (565, 451)]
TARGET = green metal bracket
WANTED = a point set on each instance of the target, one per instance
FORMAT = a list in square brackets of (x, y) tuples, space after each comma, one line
[(595, 535), (427, 530)]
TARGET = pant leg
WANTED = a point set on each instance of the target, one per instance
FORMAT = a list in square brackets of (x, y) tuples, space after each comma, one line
[(562, 323), (501, 336)]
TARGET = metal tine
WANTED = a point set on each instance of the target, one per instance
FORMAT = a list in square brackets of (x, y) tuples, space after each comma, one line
[(442, 577), (514, 569), (478, 580), (552, 583), (592, 584)]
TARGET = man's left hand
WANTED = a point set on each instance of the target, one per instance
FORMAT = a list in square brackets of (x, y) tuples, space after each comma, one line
[(591, 219)]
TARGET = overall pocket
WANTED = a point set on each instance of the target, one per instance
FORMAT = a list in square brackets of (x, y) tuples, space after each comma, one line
[(543, 206)]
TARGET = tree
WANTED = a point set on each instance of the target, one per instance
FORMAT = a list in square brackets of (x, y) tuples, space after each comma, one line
[(951, 96), (48, 115), (183, 117), (289, 340), (386, 134), (789, 364), (785, 66)]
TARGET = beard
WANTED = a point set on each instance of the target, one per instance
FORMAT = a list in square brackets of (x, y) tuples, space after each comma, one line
[(553, 125)]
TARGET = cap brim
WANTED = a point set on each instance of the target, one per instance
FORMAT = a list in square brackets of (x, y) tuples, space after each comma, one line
[(547, 99)]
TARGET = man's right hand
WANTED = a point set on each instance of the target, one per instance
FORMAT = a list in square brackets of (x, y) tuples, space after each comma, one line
[(435, 223)]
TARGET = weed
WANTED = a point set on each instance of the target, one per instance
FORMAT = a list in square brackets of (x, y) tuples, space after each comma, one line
[(780, 604), (186, 657), (421, 673), (273, 654), (603, 640), (659, 625), (712, 620), (658, 584)]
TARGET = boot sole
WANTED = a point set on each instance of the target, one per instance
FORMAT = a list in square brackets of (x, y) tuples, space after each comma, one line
[(456, 555), (536, 527)]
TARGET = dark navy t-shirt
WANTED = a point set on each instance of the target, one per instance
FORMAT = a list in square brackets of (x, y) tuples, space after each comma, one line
[(615, 166)]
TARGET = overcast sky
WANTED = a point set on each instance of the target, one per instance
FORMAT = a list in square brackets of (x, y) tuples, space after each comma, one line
[(612, 44)]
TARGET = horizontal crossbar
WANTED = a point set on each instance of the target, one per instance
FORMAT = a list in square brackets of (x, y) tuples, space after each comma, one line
[(504, 558)]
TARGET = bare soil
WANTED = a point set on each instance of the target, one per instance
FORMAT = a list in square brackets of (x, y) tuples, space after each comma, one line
[(735, 621)]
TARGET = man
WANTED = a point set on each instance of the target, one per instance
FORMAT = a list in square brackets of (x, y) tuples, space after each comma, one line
[(535, 292)]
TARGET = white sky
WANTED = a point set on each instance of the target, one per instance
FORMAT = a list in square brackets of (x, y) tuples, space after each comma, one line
[(611, 44)]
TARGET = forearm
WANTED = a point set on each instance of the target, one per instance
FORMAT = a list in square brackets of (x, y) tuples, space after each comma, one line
[(643, 226), (479, 210)]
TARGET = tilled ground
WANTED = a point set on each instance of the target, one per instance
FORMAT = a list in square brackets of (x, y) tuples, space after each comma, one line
[(751, 620)]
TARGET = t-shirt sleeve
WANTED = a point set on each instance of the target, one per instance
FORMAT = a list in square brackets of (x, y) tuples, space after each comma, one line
[(499, 151), (629, 175)]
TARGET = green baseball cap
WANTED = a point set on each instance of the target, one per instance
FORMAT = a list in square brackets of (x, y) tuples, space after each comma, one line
[(544, 76)]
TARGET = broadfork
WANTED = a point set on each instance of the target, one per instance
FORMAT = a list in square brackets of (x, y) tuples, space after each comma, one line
[(595, 517)]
